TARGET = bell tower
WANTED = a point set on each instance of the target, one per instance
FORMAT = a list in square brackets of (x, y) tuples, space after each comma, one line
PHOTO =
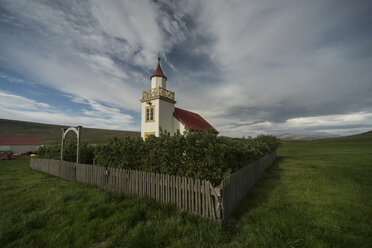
[(158, 78), (157, 106)]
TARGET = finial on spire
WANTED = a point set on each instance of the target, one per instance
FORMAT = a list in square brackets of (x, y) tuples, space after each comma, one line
[(158, 71)]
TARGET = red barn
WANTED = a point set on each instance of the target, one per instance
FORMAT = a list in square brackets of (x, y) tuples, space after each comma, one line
[(19, 144)]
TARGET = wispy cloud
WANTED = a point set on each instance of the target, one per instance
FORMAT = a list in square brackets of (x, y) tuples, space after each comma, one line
[(247, 66), (15, 80), (95, 115), (88, 49), (334, 124)]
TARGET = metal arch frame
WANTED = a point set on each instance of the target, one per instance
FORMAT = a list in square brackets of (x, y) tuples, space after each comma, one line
[(77, 130)]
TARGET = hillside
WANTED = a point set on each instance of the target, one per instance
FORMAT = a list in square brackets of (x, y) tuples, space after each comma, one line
[(361, 137), (294, 137), (49, 133), (366, 135)]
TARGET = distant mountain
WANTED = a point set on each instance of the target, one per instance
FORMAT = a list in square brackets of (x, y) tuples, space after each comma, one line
[(50, 133), (293, 137)]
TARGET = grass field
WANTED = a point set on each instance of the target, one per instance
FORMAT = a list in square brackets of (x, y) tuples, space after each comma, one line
[(50, 134), (317, 195)]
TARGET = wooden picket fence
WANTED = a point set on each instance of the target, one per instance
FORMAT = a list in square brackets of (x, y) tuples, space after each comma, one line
[(193, 195), (235, 187)]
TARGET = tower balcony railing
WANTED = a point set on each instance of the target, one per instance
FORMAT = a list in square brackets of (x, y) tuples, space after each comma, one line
[(156, 93)]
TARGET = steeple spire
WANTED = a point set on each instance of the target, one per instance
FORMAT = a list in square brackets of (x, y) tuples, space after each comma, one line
[(158, 71)]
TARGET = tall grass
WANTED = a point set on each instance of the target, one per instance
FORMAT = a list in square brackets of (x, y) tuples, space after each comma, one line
[(318, 194)]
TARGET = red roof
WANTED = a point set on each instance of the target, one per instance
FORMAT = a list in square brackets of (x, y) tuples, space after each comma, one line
[(192, 120), (19, 141), (158, 71)]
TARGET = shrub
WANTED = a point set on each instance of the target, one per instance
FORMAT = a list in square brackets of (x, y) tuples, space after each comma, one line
[(121, 153), (54, 152), (201, 155)]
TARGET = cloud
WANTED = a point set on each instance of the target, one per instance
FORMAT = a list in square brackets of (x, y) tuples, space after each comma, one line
[(282, 60), (247, 66), (9, 101), (329, 120), (95, 115), (15, 80), (334, 124), (88, 48)]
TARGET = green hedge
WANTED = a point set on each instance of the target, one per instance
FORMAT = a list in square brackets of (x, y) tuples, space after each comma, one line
[(54, 152), (202, 155)]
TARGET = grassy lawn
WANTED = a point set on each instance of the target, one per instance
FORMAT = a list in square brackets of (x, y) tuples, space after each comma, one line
[(319, 194)]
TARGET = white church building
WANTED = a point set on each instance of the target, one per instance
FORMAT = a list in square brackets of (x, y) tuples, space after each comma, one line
[(158, 111)]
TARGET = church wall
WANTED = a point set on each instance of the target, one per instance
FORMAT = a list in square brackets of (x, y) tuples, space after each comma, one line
[(4, 148), (153, 82), (158, 81), (177, 125), (19, 149), (166, 116), (182, 128), (150, 126), (24, 149)]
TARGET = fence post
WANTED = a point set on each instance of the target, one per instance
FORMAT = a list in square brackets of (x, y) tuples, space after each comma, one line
[(220, 207), (75, 171), (217, 193)]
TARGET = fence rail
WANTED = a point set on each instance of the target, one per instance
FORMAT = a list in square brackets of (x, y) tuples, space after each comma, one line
[(193, 195), (236, 186)]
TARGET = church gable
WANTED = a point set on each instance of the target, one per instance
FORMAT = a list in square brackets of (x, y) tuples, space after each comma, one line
[(192, 120)]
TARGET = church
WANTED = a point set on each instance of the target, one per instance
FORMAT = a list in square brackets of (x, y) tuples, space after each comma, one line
[(158, 111)]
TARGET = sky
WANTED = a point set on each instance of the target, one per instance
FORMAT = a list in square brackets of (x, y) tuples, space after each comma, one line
[(248, 67)]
